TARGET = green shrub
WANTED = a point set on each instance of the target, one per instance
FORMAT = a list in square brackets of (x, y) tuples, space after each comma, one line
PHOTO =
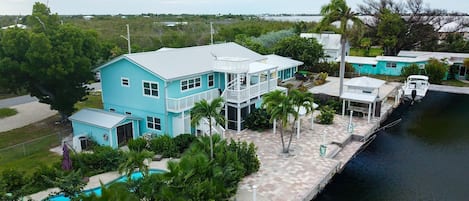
[(336, 105), (412, 69), (321, 79), (436, 71), (138, 144), (258, 120), (164, 145), (103, 159), (36, 182), (247, 155), (183, 142), (326, 116), (12, 181)]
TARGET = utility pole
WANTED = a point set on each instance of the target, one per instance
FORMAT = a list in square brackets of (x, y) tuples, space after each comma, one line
[(127, 38), (211, 33)]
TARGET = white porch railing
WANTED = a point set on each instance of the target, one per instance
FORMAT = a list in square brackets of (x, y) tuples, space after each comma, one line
[(251, 92), (181, 104)]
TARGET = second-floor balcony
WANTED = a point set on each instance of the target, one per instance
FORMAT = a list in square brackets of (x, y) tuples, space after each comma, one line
[(247, 92), (181, 104)]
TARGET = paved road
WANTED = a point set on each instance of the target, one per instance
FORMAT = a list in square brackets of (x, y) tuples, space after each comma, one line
[(449, 89), (16, 101), (95, 86)]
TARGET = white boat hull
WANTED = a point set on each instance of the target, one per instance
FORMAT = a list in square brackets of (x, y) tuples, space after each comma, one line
[(415, 88)]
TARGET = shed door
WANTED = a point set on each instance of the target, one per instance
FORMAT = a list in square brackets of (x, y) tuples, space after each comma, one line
[(124, 134)]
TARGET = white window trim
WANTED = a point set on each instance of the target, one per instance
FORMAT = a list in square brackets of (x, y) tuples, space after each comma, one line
[(391, 64), (208, 80), (153, 123), (122, 81), (151, 82), (190, 89)]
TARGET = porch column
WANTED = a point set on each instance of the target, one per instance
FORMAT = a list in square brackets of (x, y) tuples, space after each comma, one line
[(369, 112), (343, 107), (275, 126), (183, 124), (374, 109), (226, 116), (298, 128), (239, 118), (268, 80)]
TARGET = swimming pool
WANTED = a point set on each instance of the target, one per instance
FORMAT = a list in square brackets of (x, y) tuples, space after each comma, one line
[(97, 190)]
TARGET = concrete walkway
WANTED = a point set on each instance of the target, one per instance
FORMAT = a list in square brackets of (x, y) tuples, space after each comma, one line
[(95, 181), (449, 89), (27, 113)]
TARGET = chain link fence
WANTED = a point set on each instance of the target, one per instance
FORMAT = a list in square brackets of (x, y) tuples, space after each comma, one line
[(31, 147)]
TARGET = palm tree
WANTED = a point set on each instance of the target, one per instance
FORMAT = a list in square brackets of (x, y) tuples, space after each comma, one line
[(300, 99), (279, 106), (335, 11), (135, 159), (203, 109)]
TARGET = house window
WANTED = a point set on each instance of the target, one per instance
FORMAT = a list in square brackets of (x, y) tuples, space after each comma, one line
[(374, 66), (391, 65), (211, 81), (125, 82), (112, 109), (128, 113), (150, 89), (190, 84), (153, 123), (421, 66)]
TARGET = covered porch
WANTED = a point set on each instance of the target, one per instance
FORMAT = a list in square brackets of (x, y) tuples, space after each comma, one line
[(361, 95)]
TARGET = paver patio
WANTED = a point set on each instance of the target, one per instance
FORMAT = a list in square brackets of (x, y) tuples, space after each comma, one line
[(302, 173)]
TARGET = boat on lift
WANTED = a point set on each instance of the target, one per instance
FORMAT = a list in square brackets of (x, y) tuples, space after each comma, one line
[(415, 88)]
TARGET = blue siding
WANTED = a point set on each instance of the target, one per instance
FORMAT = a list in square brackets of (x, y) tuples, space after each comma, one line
[(381, 69), (174, 87), (130, 97), (95, 133)]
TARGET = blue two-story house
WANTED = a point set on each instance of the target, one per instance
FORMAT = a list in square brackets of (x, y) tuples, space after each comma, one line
[(153, 92)]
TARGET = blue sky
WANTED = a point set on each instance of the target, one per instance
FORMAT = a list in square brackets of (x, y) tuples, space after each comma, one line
[(68, 7)]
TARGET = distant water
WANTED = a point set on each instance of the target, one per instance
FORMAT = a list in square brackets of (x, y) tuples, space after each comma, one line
[(425, 157)]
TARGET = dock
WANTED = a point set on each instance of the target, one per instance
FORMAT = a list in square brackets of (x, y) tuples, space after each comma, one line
[(303, 173)]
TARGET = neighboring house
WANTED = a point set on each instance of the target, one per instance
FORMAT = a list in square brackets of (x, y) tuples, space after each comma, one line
[(330, 44), (286, 67), (21, 26), (153, 92), (392, 65), (453, 28)]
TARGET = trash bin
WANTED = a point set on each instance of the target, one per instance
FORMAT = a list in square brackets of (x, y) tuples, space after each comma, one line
[(83, 142)]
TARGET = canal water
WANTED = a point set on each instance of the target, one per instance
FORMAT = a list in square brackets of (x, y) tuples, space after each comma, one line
[(424, 157)]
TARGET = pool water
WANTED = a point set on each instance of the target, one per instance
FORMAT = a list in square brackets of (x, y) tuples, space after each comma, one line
[(97, 190)]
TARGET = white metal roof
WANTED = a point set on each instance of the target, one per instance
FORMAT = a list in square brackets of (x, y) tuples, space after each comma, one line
[(359, 97), (98, 117), (282, 62), (451, 56), (256, 67), (328, 41), (182, 62), (401, 59), (365, 82), (360, 60)]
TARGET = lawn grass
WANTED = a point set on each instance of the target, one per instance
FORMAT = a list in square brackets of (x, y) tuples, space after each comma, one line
[(361, 52), (93, 100), (7, 112), (389, 78), (455, 83), (37, 139)]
